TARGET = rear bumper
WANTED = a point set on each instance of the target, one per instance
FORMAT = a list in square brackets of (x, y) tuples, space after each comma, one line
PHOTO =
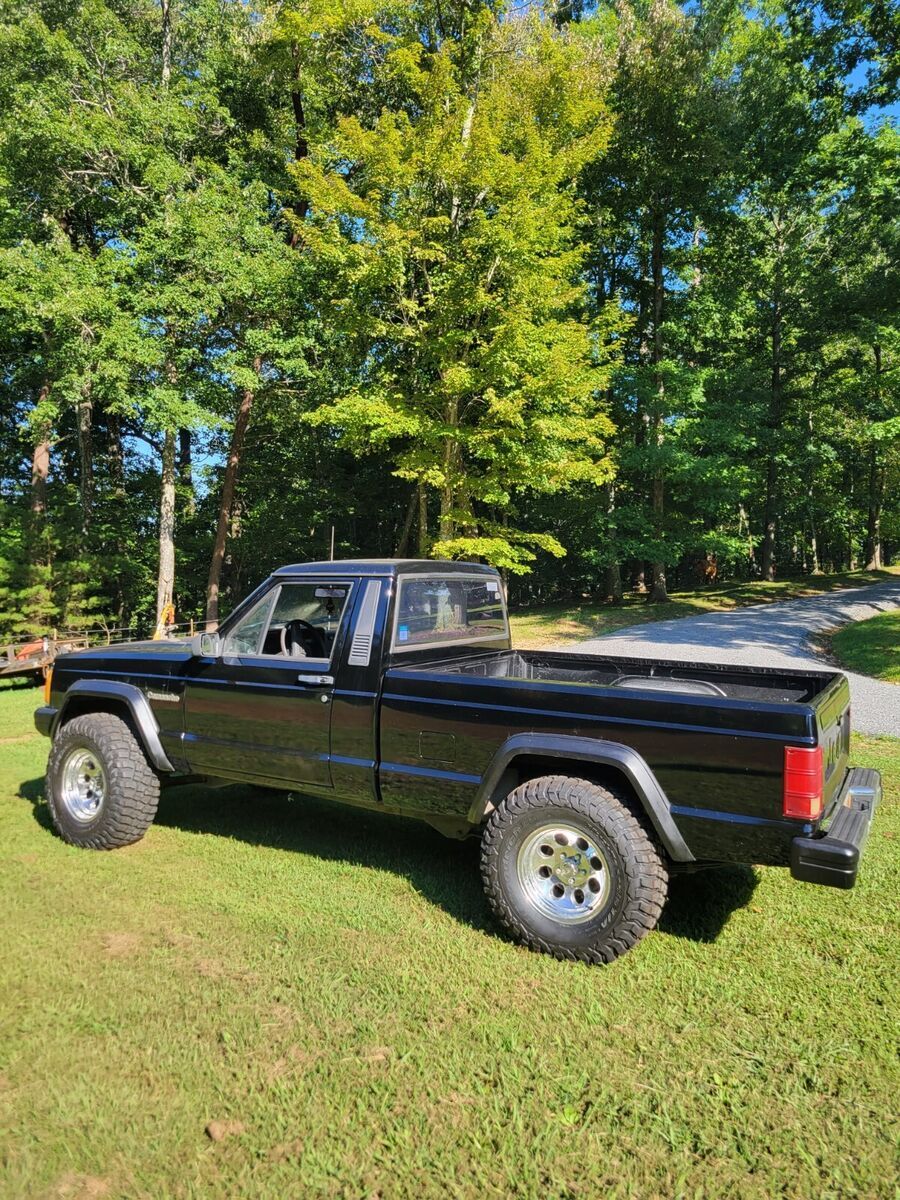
[(833, 858), (43, 720)]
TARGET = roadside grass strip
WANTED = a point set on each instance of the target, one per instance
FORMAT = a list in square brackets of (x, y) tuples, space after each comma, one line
[(870, 647)]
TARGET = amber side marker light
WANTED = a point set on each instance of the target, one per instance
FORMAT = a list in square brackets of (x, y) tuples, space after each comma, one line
[(803, 782), (48, 683)]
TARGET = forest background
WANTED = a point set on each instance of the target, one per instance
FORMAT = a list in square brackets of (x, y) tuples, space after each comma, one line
[(603, 295)]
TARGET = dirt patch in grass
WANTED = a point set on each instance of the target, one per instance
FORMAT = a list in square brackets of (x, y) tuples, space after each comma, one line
[(81, 1187), (218, 1131), (121, 945), (287, 1151)]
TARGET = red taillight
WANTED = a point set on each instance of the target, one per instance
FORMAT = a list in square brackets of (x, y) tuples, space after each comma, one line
[(803, 782)]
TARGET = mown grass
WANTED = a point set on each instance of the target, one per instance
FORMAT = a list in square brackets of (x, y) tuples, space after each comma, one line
[(18, 700), (870, 647), (556, 624), (330, 983)]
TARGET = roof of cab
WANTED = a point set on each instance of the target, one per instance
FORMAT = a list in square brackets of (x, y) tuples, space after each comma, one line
[(386, 567)]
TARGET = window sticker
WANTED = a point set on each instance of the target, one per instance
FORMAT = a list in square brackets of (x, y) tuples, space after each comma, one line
[(403, 633)]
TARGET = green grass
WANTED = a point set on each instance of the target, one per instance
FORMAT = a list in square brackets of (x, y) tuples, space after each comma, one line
[(556, 624), (331, 982), (871, 647), (18, 700)]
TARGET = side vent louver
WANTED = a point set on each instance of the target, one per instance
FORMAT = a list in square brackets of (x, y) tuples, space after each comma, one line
[(361, 648)]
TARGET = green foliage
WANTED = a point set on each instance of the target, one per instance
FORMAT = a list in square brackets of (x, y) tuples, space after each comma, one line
[(449, 241), (577, 292)]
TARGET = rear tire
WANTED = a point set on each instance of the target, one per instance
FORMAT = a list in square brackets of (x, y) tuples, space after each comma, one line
[(100, 788), (569, 869)]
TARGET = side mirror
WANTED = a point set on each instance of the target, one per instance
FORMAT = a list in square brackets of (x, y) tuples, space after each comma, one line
[(206, 645)]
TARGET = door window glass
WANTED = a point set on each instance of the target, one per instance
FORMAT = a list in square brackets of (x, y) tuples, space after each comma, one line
[(296, 620), (246, 637)]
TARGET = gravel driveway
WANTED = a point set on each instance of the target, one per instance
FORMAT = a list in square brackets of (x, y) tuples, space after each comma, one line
[(771, 635)]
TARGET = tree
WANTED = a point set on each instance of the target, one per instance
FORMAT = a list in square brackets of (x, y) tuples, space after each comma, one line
[(449, 234), (663, 178)]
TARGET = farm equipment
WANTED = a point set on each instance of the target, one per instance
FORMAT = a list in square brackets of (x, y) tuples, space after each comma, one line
[(35, 658)]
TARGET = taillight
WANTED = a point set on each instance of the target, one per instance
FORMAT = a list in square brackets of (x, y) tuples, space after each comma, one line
[(48, 683), (803, 782)]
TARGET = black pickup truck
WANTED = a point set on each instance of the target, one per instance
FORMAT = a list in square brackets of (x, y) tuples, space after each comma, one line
[(392, 685)]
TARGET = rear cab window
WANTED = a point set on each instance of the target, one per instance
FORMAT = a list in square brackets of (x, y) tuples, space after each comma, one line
[(435, 611)]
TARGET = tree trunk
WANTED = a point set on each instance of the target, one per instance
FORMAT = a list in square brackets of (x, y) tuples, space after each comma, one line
[(876, 486), (166, 69), (300, 206), (465, 138), (658, 589), (768, 545), (613, 584), (423, 520), (403, 543), (773, 427), (447, 525), (86, 455), (658, 593), (613, 581), (873, 524), (165, 583), (226, 502), (811, 509), (744, 530), (815, 566), (445, 520), (116, 455), (186, 469), (40, 469)]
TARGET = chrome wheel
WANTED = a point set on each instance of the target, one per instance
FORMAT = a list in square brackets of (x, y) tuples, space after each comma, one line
[(563, 873), (83, 786)]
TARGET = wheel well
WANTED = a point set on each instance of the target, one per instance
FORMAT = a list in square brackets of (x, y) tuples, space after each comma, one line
[(528, 766), (140, 721), (82, 706)]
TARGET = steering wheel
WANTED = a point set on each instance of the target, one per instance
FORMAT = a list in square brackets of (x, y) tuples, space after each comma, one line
[(315, 638)]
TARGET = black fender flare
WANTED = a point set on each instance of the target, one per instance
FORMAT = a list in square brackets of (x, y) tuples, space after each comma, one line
[(138, 707), (572, 750)]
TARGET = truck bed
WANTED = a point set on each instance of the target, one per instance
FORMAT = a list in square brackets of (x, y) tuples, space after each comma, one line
[(768, 685), (713, 735)]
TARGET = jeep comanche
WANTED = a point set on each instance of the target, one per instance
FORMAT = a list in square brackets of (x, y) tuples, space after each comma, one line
[(393, 685)]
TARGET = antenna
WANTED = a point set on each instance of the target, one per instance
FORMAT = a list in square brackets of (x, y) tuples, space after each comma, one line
[(331, 552)]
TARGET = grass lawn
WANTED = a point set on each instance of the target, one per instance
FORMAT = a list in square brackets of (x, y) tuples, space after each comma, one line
[(328, 986), (556, 624), (871, 647)]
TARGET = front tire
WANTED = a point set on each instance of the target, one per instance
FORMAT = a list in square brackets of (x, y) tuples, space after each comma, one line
[(101, 790), (569, 869)]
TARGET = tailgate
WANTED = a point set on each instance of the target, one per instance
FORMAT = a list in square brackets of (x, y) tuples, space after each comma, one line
[(832, 708)]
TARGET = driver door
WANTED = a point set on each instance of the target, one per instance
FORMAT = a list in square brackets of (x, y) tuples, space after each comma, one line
[(262, 708)]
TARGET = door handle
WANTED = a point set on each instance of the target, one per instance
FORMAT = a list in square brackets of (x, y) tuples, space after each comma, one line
[(315, 680)]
